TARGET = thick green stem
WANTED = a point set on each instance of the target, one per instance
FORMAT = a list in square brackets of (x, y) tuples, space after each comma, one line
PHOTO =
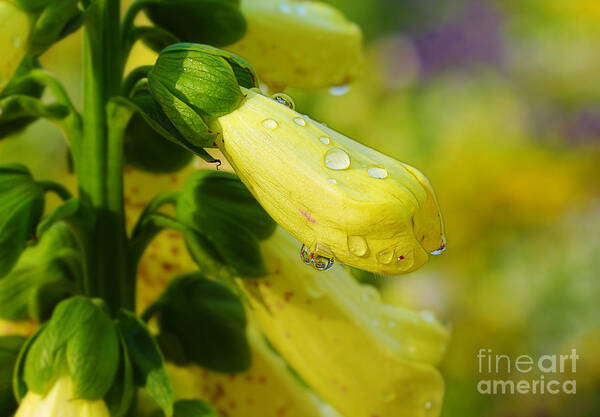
[(99, 165)]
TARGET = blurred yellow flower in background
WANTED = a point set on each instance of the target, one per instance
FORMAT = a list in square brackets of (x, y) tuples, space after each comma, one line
[(13, 39), (362, 356), (302, 44)]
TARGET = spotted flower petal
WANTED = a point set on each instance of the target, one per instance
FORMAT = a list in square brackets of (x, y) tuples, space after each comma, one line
[(362, 356), (338, 197), (301, 44), (267, 389)]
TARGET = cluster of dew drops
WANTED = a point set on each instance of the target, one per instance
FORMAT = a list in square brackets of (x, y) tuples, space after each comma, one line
[(336, 159)]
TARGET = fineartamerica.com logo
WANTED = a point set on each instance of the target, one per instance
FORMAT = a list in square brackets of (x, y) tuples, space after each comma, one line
[(547, 369)]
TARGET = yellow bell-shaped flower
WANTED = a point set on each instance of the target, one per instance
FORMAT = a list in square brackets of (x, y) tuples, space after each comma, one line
[(60, 402), (362, 356), (267, 389), (15, 25), (302, 44), (341, 199)]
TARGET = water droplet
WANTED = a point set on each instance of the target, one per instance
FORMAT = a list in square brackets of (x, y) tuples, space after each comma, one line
[(379, 173), (339, 90), (337, 159), (285, 8), (270, 124), (320, 258), (385, 256), (16, 41), (305, 255), (428, 405), (441, 249), (284, 99), (299, 121), (391, 324), (331, 181), (357, 245), (324, 140), (375, 323)]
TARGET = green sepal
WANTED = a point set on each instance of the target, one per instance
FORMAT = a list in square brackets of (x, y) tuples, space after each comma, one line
[(12, 119), (190, 408), (119, 397), (18, 382), (223, 214), (147, 360), (21, 207), (145, 105), (81, 340), (243, 71), (45, 274), (192, 80), (217, 317), (213, 22), (10, 346), (147, 150)]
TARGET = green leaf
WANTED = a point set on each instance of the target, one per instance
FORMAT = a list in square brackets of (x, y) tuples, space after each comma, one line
[(79, 338), (213, 22), (217, 317), (190, 408), (222, 212), (10, 346), (21, 207), (147, 360)]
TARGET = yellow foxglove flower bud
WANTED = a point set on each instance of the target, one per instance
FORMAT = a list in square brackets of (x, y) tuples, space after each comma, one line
[(16, 26), (301, 44), (341, 199), (60, 402), (362, 356)]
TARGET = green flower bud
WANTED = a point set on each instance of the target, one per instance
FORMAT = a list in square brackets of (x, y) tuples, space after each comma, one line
[(79, 341), (12, 120), (21, 207), (214, 22), (194, 84), (224, 220), (149, 151), (45, 274)]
